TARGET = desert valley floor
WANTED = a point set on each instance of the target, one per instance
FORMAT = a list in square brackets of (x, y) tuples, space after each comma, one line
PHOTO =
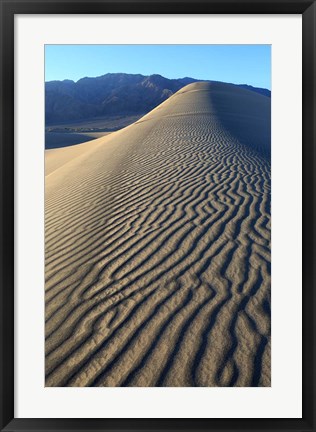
[(158, 247)]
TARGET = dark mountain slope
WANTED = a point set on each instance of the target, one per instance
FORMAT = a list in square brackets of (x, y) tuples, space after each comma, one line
[(110, 94)]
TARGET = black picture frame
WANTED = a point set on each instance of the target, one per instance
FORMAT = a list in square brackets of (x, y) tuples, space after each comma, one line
[(8, 9)]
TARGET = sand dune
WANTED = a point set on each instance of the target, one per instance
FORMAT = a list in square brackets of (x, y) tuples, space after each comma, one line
[(158, 248)]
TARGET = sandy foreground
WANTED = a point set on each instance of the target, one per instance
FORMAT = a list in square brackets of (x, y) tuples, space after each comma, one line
[(158, 248)]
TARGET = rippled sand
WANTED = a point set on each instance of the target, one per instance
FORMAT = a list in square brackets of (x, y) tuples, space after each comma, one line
[(158, 248)]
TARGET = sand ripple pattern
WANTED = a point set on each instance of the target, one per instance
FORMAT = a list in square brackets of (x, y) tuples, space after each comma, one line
[(158, 248)]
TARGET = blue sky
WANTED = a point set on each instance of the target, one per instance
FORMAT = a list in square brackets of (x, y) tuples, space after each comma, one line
[(239, 64)]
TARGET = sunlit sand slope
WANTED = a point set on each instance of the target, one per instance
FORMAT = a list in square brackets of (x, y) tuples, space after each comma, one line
[(158, 248)]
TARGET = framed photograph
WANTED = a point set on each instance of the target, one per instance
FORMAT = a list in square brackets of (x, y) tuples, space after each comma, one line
[(157, 196)]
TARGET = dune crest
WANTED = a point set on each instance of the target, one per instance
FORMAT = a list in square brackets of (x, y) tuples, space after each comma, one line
[(158, 248)]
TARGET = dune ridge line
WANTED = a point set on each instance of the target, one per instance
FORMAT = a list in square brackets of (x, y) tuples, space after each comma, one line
[(157, 248)]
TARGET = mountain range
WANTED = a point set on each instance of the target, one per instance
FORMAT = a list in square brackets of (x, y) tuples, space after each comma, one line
[(112, 94)]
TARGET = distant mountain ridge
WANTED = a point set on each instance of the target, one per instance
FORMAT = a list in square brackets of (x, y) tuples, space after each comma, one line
[(112, 94)]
